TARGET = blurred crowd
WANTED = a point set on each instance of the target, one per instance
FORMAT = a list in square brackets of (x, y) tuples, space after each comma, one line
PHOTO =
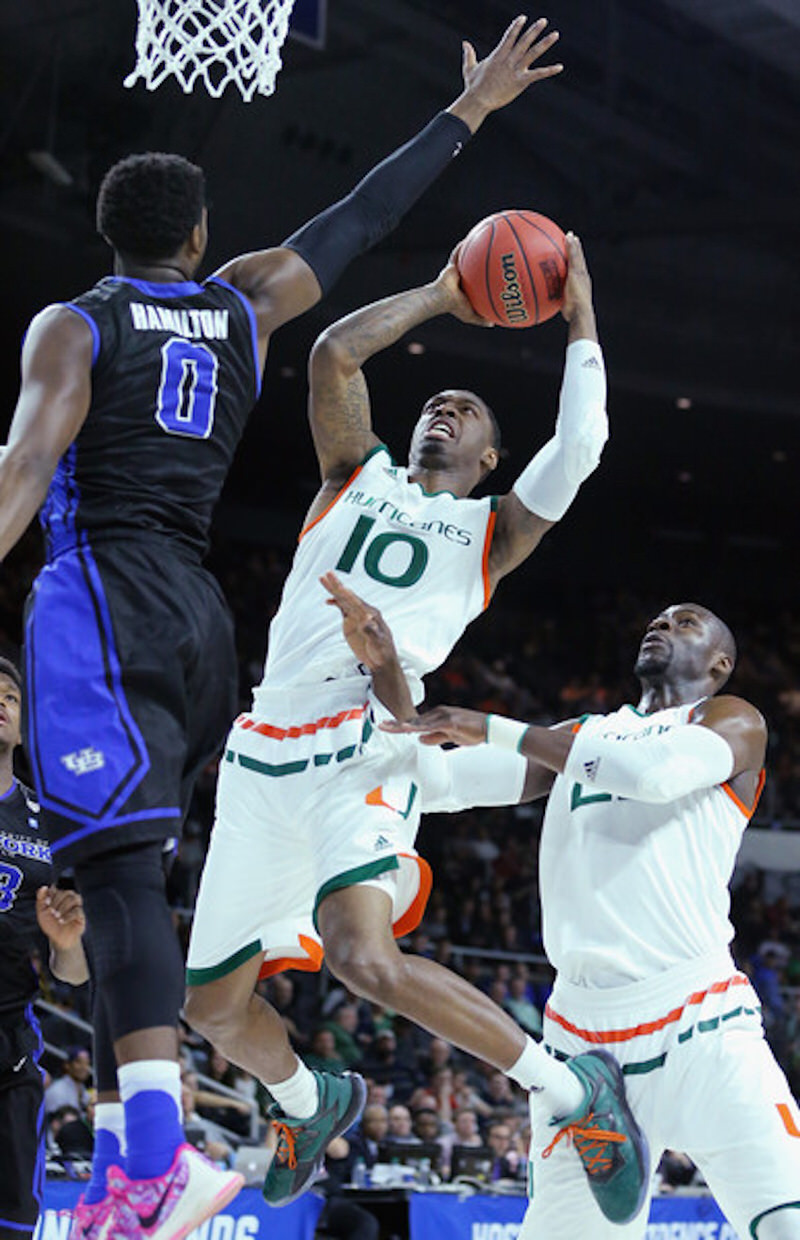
[(483, 920)]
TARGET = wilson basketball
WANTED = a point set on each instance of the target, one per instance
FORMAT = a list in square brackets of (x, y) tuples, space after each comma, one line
[(513, 266)]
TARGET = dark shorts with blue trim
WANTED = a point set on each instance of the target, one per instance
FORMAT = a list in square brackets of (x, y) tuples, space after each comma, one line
[(21, 1128), (130, 688)]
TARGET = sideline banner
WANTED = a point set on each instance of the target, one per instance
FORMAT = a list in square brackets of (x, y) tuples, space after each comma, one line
[(248, 1217), (444, 1216)]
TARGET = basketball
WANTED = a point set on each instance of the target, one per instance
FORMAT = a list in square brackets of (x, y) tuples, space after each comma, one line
[(513, 265)]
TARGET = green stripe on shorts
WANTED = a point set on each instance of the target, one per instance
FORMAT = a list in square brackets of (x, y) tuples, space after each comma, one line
[(200, 977), (350, 878)]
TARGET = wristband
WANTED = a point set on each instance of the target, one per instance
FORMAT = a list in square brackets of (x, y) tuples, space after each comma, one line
[(505, 733)]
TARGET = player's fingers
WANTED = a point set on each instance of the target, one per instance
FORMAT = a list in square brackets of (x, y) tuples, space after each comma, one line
[(540, 75), (332, 583), (434, 738), (64, 901), (530, 36), (469, 58), (510, 37), (537, 50)]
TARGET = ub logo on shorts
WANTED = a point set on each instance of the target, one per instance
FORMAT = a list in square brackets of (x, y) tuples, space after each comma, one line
[(82, 761)]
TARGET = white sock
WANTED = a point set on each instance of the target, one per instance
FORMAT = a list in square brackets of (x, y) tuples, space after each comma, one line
[(298, 1095), (110, 1117), (536, 1070), (150, 1074)]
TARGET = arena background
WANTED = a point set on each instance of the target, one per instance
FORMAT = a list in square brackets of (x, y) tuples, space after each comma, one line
[(669, 145)]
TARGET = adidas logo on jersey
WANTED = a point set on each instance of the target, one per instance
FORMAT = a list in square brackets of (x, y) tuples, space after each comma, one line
[(590, 769), (381, 843)]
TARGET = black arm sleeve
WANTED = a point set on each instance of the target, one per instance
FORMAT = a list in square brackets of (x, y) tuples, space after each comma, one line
[(377, 204)]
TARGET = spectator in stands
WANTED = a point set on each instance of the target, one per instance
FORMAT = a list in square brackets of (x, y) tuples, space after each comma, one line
[(365, 1140), (506, 1162), (522, 1007), (236, 1114), (282, 994), (383, 1065), (323, 1055), (426, 1125), (72, 1088), (465, 1132), (343, 1025), (500, 1096), (56, 1120), (400, 1131)]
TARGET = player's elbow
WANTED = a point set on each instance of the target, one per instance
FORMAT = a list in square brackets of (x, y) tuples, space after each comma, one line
[(670, 779), (332, 356), (28, 467)]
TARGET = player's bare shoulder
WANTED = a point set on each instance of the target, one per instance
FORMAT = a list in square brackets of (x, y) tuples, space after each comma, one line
[(732, 716), (58, 326)]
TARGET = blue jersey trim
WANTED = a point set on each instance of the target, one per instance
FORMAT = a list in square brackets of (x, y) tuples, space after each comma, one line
[(40, 1168), (145, 815), (57, 514), (6, 795), (87, 318), (251, 314), (187, 288), (5, 1222)]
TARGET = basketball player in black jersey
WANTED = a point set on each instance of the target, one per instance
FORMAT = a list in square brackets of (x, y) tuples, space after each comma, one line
[(133, 400), (30, 908)]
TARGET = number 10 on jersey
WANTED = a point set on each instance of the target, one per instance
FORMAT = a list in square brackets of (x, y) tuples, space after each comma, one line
[(374, 553)]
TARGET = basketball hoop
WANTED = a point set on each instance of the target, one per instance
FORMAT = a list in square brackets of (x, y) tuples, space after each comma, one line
[(217, 41)]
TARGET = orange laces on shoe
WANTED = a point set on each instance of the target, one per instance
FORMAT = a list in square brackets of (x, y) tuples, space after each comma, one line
[(590, 1142), (285, 1152)]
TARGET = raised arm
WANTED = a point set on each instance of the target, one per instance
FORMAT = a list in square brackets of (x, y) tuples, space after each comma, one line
[(60, 916), (339, 407), (725, 740), (284, 282), (546, 488), (52, 406)]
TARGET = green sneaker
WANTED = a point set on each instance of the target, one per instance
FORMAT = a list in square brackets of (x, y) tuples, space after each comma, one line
[(302, 1142), (606, 1137)]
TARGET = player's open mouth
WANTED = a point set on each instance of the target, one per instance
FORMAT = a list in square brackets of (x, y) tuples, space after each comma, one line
[(440, 430)]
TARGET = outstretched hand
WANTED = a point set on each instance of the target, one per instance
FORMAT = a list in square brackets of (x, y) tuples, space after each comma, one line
[(445, 724), (365, 630), (60, 916), (508, 70), (578, 284)]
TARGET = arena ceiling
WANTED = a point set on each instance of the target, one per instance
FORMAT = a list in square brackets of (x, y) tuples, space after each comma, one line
[(670, 144)]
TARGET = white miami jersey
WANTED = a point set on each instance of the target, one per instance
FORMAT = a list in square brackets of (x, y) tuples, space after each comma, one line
[(421, 559), (628, 888)]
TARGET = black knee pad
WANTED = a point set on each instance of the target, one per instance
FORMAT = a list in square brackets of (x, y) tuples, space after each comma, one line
[(136, 961)]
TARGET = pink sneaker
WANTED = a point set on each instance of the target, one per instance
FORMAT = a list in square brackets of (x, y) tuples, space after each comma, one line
[(173, 1204), (97, 1222)]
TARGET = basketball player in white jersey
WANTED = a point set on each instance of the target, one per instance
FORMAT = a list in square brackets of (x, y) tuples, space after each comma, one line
[(645, 815), (317, 809)]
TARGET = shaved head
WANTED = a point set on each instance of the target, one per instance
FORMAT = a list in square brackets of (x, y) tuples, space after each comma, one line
[(722, 637), (687, 643)]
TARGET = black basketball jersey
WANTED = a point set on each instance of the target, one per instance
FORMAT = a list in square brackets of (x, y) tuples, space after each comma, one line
[(175, 375), (24, 867)]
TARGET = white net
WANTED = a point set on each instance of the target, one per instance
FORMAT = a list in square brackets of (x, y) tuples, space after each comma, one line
[(217, 41)]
